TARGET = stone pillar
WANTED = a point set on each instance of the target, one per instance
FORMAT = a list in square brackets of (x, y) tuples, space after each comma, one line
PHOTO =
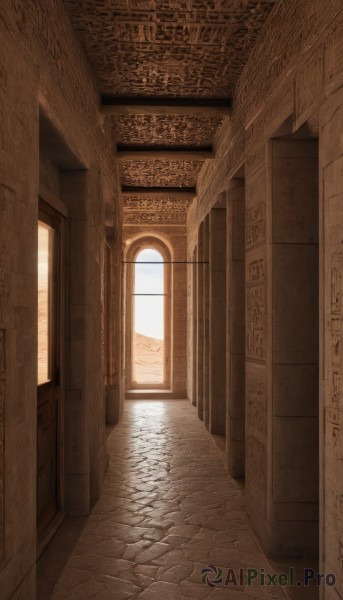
[(282, 347), (235, 327), (85, 401), (206, 321), (217, 321), (257, 469), (200, 323), (295, 343), (179, 308), (331, 363), (194, 326), (114, 391), (77, 500)]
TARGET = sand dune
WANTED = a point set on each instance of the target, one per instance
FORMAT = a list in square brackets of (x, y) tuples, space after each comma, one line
[(147, 359)]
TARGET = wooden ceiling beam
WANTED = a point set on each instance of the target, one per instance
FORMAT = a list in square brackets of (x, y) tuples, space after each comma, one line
[(159, 192), (160, 106), (167, 154)]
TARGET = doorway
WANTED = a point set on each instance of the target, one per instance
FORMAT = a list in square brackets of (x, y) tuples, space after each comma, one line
[(49, 396)]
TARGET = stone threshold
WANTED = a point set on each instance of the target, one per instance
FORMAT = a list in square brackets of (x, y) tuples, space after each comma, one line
[(153, 394)]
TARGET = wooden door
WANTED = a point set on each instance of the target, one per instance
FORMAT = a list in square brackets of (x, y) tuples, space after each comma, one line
[(49, 408)]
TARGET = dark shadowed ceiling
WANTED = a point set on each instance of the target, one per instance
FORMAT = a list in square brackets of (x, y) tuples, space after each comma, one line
[(167, 70)]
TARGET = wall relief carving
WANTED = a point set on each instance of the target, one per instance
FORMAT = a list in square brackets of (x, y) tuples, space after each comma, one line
[(3, 390), (256, 402), (256, 310), (256, 474), (309, 86)]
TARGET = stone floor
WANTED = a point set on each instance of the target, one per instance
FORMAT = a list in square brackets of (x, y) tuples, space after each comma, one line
[(168, 511)]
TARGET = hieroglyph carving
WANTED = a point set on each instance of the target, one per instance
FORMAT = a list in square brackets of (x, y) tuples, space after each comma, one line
[(255, 215), (158, 211), (154, 218), (281, 48), (3, 121), (3, 297), (256, 310), (256, 476), (6, 201), (3, 387), (160, 173), (193, 130), (42, 22), (336, 338), (334, 410), (169, 47), (256, 402), (255, 229)]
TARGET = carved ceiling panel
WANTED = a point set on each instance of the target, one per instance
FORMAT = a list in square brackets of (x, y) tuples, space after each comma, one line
[(164, 130), (159, 210), (156, 173), (193, 49), (168, 47)]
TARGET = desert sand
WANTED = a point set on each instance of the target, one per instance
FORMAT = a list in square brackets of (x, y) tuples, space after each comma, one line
[(147, 359)]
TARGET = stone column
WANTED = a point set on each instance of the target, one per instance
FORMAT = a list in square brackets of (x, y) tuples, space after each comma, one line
[(179, 329), (257, 468), (200, 323), (206, 321), (85, 401), (217, 322), (282, 346), (235, 327), (194, 326), (114, 404), (295, 344)]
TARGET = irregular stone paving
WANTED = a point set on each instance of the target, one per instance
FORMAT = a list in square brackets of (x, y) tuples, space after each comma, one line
[(168, 510)]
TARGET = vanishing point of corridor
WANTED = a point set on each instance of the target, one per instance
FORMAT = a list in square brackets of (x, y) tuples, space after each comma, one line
[(168, 511)]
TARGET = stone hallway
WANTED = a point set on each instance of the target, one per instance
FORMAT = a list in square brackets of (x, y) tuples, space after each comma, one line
[(168, 510)]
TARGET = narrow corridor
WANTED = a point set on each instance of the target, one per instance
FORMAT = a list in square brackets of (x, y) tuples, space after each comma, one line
[(168, 510)]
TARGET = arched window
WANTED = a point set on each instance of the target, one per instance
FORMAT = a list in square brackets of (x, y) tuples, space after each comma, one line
[(148, 310), (148, 318)]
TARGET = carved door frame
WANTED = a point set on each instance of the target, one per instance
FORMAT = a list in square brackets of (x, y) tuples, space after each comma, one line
[(53, 214)]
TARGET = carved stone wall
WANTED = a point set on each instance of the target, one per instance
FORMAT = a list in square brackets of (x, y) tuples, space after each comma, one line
[(235, 329), (331, 163), (64, 72), (6, 199), (256, 341), (256, 399), (297, 63), (256, 309), (256, 270), (43, 67), (267, 90), (256, 474)]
